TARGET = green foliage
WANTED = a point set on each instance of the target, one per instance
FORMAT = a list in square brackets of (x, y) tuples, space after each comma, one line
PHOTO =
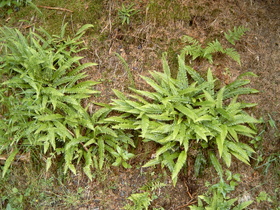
[(140, 201), (183, 114), (195, 49), (216, 197), (143, 200), (11, 5), (236, 34), (125, 13), (41, 96), (263, 196)]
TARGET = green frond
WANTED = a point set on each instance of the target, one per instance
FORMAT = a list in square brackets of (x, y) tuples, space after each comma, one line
[(125, 126), (226, 156), (181, 75), (242, 119), (101, 152), (236, 34), (163, 128), (153, 96), (240, 91), (216, 164), (190, 40), (186, 111), (220, 139), (195, 75), (88, 164), (166, 147), (50, 117), (152, 108), (238, 151), (181, 161), (82, 31), (120, 95), (220, 98), (155, 86), (165, 66), (139, 98), (212, 47), (106, 130), (9, 161), (233, 54)]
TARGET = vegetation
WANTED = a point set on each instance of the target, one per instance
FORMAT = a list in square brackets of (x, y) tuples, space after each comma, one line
[(41, 103), (217, 198), (51, 116)]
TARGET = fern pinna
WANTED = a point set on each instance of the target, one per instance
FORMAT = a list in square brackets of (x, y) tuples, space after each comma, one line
[(184, 111), (42, 95)]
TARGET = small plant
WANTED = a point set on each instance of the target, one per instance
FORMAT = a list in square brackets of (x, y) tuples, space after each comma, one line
[(143, 200), (263, 196), (217, 198), (185, 114), (125, 13), (140, 201), (195, 49), (14, 5)]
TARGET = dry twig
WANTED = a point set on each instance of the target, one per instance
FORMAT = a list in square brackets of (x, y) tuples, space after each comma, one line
[(56, 8)]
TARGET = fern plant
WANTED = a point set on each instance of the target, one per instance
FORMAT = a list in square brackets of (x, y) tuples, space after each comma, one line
[(217, 195), (195, 49), (41, 97), (235, 34), (143, 200), (186, 112)]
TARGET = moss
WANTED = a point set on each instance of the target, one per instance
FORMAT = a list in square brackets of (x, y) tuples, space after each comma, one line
[(52, 18), (164, 11)]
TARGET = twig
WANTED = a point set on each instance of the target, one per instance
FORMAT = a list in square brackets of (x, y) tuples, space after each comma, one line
[(56, 8), (188, 190), (187, 204)]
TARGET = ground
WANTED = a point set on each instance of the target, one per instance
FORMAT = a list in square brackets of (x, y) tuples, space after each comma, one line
[(158, 27)]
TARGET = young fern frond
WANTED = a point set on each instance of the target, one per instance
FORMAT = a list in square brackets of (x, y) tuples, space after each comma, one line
[(236, 34)]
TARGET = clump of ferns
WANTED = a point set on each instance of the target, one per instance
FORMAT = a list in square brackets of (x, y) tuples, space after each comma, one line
[(187, 110)]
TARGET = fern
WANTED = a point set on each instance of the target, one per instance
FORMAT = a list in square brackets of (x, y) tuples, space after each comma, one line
[(44, 78), (195, 50), (235, 34), (176, 117)]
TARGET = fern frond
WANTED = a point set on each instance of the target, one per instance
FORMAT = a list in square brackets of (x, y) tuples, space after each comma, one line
[(155, 96), (195, 75), (155, 86), (9, 161), (233, 54), (236, 34), (181, 161), (216, 164), (166, 147), (190, 40), (181, 75), (101, 152), (212, 47), (239, 91), (88, 164)]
